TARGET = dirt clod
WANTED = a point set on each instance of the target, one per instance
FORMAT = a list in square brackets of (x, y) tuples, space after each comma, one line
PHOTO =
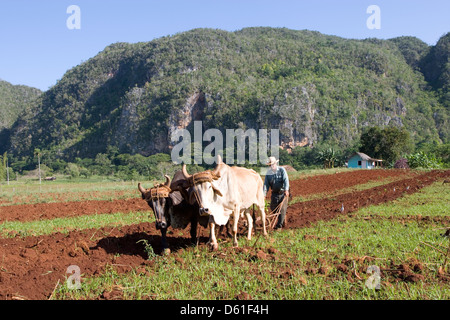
[(323, 270), (272, 250), (114, 294), (243, 296), (341, 267)]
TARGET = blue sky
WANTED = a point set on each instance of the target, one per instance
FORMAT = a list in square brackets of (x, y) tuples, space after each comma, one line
[(37, 48)]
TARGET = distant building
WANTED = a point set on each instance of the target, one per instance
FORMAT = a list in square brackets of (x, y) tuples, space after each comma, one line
[(363, 161)]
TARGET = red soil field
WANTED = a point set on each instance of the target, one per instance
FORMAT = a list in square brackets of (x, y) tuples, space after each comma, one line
[(65, 196), (31, 267), (341, 180), (305, 213), (300, 187), (46, 211)]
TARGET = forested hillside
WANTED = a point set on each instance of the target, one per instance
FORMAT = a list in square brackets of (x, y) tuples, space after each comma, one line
[(14, 99), (315, 88)]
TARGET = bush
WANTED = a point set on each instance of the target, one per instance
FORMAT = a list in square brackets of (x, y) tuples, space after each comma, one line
[(85, 172), (401, 164), (73, 170), (423, 160)]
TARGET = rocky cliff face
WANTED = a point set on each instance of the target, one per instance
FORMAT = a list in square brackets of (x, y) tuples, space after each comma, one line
[(193, 110), (129, 121), (296, 110), (312, 87)]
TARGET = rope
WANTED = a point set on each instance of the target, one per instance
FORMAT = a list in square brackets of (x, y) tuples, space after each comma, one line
[(197, 196), (156, 193), (154, 200)]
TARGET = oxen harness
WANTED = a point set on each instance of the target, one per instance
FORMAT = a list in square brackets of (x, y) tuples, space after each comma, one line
[(160, 191), (199, 178)]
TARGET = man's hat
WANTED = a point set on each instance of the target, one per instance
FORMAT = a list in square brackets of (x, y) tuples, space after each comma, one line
[(272, 161)]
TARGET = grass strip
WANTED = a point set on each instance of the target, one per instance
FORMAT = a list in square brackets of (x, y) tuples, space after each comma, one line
[(64, 225)]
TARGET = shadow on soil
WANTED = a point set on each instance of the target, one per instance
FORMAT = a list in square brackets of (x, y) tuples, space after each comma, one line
[(134, 244)]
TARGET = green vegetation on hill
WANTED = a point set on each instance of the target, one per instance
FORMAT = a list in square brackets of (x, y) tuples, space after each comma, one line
[(313, 87), (14, 99)]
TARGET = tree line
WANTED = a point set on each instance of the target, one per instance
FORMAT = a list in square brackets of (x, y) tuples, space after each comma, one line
[(392, 145)]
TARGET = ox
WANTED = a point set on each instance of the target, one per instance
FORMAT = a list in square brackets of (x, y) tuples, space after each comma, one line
[(171, 209), (227, 191)]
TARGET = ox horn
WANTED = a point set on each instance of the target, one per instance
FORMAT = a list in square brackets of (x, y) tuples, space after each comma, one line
[(185, 173), (167, 180), (215, 173), (141, 189)]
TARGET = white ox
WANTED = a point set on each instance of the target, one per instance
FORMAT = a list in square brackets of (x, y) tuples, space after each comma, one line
[(224, 192)]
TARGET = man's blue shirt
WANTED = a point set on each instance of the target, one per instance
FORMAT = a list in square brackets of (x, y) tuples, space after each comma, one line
[(278, 181)]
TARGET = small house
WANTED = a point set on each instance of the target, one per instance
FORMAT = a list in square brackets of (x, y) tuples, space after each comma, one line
[(363, 161)]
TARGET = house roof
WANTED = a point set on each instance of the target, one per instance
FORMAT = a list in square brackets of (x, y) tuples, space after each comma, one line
[(364, 156)]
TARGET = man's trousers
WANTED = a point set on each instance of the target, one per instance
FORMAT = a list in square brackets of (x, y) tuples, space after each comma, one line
[(275, 200)]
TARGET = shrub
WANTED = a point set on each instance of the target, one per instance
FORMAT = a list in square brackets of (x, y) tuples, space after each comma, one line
[(423, 160), (73, 170), (401, 164)]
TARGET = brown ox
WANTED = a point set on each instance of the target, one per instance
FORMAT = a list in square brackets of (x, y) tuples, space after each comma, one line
[(227, 191), (171, 209)]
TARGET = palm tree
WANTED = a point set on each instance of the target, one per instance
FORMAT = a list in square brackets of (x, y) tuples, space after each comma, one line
[(5, 159)]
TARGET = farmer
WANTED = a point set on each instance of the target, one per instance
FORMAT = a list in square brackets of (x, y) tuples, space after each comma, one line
[(277, 179)]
